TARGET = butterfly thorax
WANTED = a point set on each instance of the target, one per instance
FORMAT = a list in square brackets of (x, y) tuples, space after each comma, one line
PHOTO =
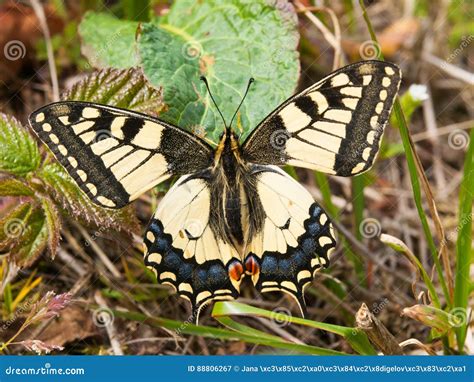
[(230, 187)]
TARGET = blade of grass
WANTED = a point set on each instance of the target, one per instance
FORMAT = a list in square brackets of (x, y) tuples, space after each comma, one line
[(416, 173), (244, 329), (323, 184), (7, 300), (356, 338), (223, 334), (26, 289), (358, 204), (464, 241)]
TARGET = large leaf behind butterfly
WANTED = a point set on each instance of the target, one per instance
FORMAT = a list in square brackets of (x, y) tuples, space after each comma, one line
[(228, 41)]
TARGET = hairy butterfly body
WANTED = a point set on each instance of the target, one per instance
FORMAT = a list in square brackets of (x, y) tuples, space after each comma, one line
[(232, 212)]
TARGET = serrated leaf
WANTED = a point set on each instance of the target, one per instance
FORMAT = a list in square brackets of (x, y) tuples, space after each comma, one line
[(34, 239), (10, 186), (53, 223), (23, 234), (228, 42), (19, 152), (77, 204), (108, 41), (12, 223), (126, 88)]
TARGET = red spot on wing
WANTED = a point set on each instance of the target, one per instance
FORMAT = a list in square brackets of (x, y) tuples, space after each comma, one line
[(251, 265), (236, 270)]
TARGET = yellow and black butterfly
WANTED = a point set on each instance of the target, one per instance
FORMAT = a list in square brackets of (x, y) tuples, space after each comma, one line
[(232, 212)]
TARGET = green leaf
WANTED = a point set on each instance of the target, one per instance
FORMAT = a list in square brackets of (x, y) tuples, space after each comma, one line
[(127, 88), (108, 41), (13, 223), (439, 320), (356, 338), (402, 248), (464, 241), (53, 223), (19, 152), (33, 241), (223, 334), (228, 42), (10, 186), (76, 203), (24, 234), (391, 150)]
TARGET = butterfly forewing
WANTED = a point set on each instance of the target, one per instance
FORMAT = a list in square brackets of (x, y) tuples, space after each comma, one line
[(113, 154), (334, 126)]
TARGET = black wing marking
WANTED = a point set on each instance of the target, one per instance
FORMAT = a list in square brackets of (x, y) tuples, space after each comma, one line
[(113, 154), (334, 126)]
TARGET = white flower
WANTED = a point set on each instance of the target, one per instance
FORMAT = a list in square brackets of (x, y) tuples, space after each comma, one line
[(418, 92)]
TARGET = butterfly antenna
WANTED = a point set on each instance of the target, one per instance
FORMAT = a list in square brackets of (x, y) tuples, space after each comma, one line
[(251, 80), (204, 79)]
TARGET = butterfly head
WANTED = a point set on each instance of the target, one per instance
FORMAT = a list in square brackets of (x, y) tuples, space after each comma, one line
[(228, 127)]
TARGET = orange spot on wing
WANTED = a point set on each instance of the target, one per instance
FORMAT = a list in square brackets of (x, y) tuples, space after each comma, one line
[(236, 270), (251, 265)]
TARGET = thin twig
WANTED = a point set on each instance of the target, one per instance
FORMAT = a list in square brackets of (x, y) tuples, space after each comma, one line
[(333, 39), (453, 70), (71, 262), (466, 125), (100, 253), (110, 328), (39, 11)]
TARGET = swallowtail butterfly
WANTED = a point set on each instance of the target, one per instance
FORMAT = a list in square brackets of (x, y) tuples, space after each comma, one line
[(233, 212)]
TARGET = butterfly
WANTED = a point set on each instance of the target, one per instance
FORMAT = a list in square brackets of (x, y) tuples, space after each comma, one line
[(233, 212)]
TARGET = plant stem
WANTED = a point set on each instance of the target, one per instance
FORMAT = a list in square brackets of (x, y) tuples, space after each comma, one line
[(464, 242)]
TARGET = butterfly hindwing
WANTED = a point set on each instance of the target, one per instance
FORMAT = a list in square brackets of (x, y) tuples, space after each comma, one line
[(114, 154), (184, 250), (334, 126), (295, 239)]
